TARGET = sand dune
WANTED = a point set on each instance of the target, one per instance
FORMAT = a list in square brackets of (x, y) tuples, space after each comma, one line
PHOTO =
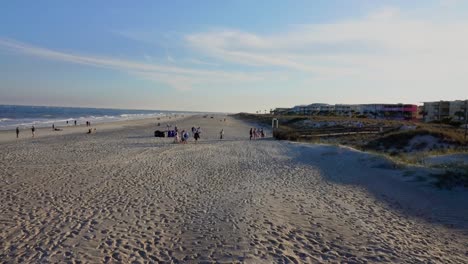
[(123, 196)]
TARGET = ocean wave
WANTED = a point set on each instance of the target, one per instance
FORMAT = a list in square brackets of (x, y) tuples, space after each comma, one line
[(6, 123)]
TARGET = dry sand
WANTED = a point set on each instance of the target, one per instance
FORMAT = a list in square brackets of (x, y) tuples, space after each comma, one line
[(121, 195)]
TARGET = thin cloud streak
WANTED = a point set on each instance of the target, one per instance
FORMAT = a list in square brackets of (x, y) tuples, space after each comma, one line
[(167, 74)]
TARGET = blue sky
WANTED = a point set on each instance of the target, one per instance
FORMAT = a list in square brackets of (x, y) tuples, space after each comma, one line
[(231, 55)]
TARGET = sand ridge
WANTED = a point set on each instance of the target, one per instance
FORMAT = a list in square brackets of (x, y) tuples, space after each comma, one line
[(125, 196)]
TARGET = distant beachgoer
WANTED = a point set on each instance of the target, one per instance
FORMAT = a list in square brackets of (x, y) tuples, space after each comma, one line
[(176, 129), (176, 137), (33, 130), (262, 134), (75, 122), (67, 122), (185, 137), (221, 134), (251, 133), (17, 132), (53, 127), (196, 136), (254, 132)]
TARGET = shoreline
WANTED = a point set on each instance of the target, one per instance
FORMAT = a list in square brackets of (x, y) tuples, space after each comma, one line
[(7, 136)]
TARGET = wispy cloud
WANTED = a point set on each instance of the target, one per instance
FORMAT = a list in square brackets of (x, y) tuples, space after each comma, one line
[(170, 59), (384, 44), (200, 62), (177, 77)]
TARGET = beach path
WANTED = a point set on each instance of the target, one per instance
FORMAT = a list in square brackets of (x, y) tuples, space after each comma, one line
[(124, 196)]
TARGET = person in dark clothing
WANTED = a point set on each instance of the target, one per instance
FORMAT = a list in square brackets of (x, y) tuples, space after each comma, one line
[(33, 130), (17, 132), (75, 122), (251, 133)]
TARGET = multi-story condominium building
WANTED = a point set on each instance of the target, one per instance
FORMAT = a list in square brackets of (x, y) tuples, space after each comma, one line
[(440, 110), (310, 109), (394, 111), (457, 110), (382, 111), (348, 109)]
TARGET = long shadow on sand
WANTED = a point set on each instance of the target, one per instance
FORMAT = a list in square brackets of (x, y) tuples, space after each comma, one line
[(386, 183)]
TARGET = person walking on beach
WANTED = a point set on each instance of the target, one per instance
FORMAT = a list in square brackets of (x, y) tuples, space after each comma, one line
[(33, 130), (53, 127), (196, 136), (185, 137), (221, 134), (75, 122), (17, 132), (251, 133)]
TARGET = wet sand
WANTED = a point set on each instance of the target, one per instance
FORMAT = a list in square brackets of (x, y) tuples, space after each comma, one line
[(121, 195)]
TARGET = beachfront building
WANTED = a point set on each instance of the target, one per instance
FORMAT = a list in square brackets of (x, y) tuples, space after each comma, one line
[(390, 111), (377, 111), (280, 111), (312, 109), (457, 110), (343, 109), (443, 110)]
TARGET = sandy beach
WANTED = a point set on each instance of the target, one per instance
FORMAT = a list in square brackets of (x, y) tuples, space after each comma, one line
[(123, 196)]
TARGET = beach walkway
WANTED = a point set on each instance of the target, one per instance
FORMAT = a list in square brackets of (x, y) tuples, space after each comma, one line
[(125, 196)]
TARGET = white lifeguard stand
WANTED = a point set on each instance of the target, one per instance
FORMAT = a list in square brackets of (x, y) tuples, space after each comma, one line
[(274, 123)]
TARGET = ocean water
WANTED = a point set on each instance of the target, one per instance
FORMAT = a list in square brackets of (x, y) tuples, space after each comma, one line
[(12, 116)]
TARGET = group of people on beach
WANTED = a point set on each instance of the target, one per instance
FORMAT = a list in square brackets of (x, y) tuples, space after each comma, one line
[(256, 133), (183, 136), (54, 128)]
